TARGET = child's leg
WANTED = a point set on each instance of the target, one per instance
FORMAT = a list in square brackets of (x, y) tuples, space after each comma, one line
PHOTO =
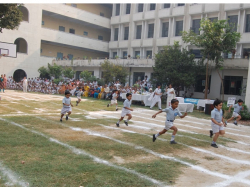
[(174, 128), (129, 117), (62, 116), (238, 118), (230, 119), (216, 135), (222, 132), (69, 113), (120, 120), (161, 132)]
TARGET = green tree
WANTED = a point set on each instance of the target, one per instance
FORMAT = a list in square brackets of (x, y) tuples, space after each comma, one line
[(87, 76), (10, 16), (112, 71), (176, 67), (216, 37), (44, 72), (55, 70), (68, 72)]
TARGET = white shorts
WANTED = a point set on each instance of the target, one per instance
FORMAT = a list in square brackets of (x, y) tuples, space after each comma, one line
[(125, 112), (78, 97), (235, 115), (168, 125), (66, 110), (113, 102), (216, 128)]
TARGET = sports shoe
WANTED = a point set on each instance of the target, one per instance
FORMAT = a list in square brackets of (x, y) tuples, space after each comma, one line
[(173, 142), (67, 117), (126, 123), (211, 133), (117, 124), (214, 145), (154, 138), (61, 120), (76, 103), (107, 105), (116, 109), (235, 123)]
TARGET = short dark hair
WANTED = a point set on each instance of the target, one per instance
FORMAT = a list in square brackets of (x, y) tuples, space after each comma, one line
[(240, 101), (128, 94), (174, 101), (217, 102), (67, 92)]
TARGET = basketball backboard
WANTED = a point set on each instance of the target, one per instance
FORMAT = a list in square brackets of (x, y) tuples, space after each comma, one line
[(8, 50)]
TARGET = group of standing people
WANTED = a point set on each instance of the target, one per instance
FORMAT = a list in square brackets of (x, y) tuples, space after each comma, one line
[(3, 82)]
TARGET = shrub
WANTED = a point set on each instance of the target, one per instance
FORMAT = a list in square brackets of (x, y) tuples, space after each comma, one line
[(245, 115)]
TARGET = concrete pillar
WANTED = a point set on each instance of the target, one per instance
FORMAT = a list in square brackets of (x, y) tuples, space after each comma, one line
[(247, 99)]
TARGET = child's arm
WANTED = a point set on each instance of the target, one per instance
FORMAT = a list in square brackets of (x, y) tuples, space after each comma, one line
[(215, 122), (129, 108), (71, 104), (157, 114), (65, 104), (183, 116)]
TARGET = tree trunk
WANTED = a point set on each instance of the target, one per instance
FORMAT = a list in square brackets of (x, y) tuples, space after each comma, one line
[(206, 87), (222, 85)]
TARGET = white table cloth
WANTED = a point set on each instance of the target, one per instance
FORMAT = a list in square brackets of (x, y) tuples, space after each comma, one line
[(180, 99), (203, 102), (139, 97), (186, 107)]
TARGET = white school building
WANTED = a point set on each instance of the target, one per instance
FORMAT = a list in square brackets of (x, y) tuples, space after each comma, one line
[(126, 34)]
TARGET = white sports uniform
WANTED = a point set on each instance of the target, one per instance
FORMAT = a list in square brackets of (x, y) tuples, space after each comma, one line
[(125, 111), (237, 109), (157, 98), (171, 114), (65, 108), (79, 93), (114, 99), (217, 116)]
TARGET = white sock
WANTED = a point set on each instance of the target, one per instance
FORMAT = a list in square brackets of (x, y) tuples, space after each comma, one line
[(172, 137), (127, 120), (157, 135), (118, 121)]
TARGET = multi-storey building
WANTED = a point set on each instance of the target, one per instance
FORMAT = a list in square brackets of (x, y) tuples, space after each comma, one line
[(127, 34)]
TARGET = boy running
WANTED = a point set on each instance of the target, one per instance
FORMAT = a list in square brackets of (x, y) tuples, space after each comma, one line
[(114, 99), (78, 94), (171, 113), (217, 123), (126, 110), (236, 114), (66, 105)]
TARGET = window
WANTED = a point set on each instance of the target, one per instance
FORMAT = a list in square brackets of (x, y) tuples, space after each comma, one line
[(125, 54), (85, 33), (150, 30), (200, 83), (152, 6), (248, 23), (128, 8), (233, 21), (126, 31), (165, 29), (59, 55), (213, 19), (140, 7), (181, 4), (138, 31), (178, 28), (70, 56), (114, 54), (232, 85), (100, 37), (117, 10), (42, 22), (167, 5), (116, 34), (196, 52), (101, 14), (72, 31), (149, 54), (137, 54), (196, 26), (246, 52), (74, 5), (61, 28)]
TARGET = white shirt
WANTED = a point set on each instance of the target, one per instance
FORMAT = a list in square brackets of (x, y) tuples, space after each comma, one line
[(158, 91)]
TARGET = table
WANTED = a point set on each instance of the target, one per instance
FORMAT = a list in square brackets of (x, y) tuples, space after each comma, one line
[(139, 97), (186, 107), (203, 102), (180, 99)]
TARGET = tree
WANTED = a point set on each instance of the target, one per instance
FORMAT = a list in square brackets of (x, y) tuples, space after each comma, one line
[(55, 70), (44, 72), (87, 76), (68, 72), (113, 72), (10, 16), (173, 66), (216, 37)]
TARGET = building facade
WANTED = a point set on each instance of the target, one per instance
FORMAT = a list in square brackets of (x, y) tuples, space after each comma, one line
[(127, 34)]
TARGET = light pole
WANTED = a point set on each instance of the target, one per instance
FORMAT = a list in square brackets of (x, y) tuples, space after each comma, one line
[(247, 98)]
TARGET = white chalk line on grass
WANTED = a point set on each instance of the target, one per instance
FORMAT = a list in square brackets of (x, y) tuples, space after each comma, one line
[(82, 152), (212, 153), (12, 177)]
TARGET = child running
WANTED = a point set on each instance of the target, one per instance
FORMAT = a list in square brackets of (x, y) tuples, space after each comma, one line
[(217, 123), (66, 105), (126, 110), (236, 114), (171, 113), (114, 99), (79, 93)]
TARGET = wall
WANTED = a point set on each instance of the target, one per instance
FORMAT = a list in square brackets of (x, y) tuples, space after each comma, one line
[(53, 23), (51, 51), (95, 9)]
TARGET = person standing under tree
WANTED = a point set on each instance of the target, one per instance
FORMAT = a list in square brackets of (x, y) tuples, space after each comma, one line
[(171, 95), (157, 97), (1, 83), (25, 84)]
